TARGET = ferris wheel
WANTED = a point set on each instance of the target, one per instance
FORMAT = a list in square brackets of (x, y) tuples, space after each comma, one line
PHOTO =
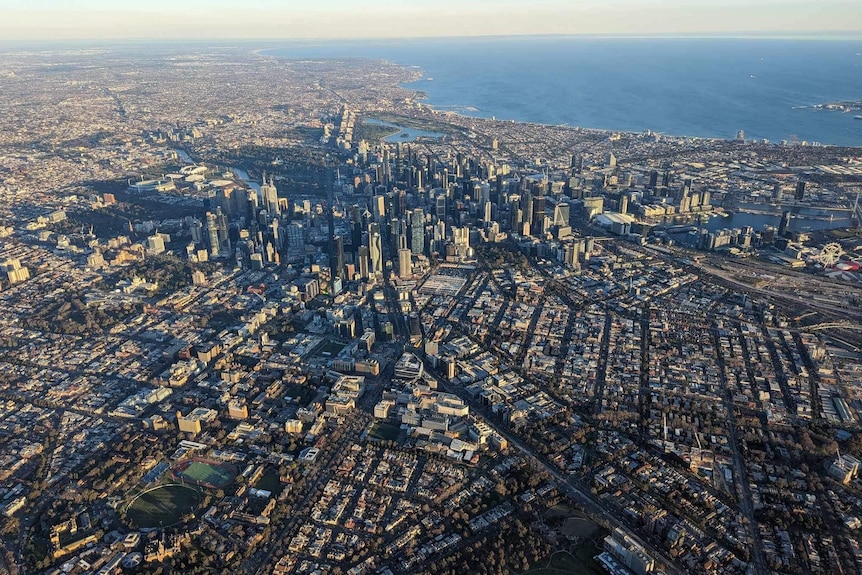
[(830, 254)]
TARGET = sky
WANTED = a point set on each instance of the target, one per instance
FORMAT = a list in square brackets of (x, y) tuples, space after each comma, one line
[(299, 19)]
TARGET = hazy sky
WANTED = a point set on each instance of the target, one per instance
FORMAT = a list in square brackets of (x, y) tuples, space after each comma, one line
[(271, 19)]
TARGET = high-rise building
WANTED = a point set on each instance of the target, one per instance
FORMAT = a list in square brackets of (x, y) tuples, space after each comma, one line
[(538, 219), (375, 249), (526, 207), (561, 214), (800, 191), (197, 230), (776, 191), (212, 234), (14, 271), (417, 231), (405, 265), (784, 224), (440, 207), (155, 244), (379, 207), (269, 197), (362, 257), (337, 257)]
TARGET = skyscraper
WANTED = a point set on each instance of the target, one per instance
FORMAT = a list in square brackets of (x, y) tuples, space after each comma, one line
[(405, 266), (375, 249), (785, 223), (197, 230), (212, 232), (561, 214), (337, 257), (537, 221), (362, 256), (800, 191), (269, 197), (526, 207), (417, 231)]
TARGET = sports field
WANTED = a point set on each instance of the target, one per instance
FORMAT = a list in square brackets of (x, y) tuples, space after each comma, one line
[(206, 473), (162, 506)]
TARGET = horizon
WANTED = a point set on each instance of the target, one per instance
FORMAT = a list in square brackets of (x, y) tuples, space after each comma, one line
[(270, 20), (814, 35)]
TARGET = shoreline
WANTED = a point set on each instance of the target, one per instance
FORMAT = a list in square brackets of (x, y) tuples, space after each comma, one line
[(472, 111)]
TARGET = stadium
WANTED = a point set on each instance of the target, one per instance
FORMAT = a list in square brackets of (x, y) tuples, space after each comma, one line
[(204, 473)]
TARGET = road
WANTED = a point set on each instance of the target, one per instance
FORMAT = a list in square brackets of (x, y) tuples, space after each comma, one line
[(745, 501), (584, 498)]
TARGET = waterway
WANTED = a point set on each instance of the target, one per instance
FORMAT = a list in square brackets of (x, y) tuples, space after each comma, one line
[(404, 134), (802, 220), (243, 175)]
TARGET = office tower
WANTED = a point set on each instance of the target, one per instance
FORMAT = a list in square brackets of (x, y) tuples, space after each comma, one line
[(269, 197), (295, 236), (212, 233), (785, 223), (379, 207), (776, 191), (394, 234), (561, 214), (611, 160), (375, 249), (197, 230), (355, 229), (275, 232), (387, 168), (486, 212), (537, 221), (653, 179), (252, 205), (440, 207), (405, 266), (362, 256), (624, 204), (526, 207), (685, 191), (461, 236), (417, 231), (337, 258), (800, 191), (695, 201), (576, 166)]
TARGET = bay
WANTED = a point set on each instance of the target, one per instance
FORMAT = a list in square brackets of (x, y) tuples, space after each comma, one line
[(702, 87)]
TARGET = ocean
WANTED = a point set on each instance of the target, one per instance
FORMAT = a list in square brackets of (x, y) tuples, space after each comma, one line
[(703, 87)]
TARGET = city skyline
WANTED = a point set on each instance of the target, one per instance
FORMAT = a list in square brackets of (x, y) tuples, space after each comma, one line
[(265, 19)]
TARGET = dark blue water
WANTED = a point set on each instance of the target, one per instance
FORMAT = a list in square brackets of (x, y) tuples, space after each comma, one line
[(801, 222), (707, 87)]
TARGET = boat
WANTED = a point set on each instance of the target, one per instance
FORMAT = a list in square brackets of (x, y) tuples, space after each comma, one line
[(857, 117)]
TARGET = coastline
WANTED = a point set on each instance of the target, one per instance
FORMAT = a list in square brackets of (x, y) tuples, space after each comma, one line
[(506, 99)]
